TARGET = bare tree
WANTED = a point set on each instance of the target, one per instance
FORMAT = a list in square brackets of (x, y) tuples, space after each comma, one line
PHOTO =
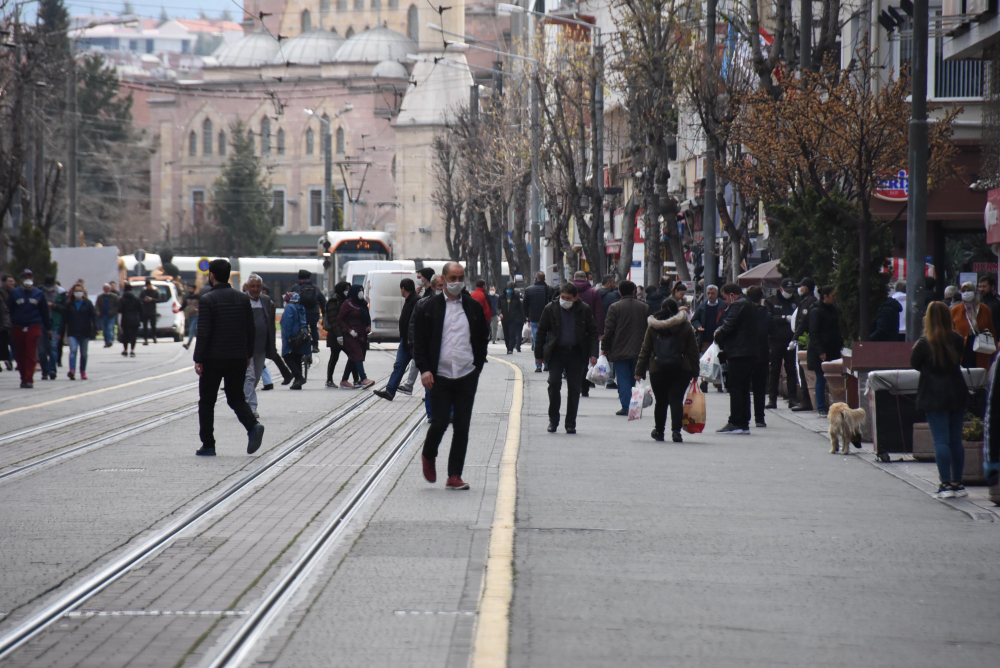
[(447, 196)]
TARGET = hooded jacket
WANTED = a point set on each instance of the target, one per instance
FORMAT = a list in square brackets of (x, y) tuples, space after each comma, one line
[(887, 321), (676, 325), (824, 336)]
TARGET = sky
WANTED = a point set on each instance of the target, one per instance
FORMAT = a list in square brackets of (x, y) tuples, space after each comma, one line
[(152, 8)]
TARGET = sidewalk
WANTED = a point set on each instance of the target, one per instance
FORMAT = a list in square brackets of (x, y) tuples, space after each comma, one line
[(758, 550)]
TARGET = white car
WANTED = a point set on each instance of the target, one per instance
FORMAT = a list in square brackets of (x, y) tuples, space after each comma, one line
[(170, 314)]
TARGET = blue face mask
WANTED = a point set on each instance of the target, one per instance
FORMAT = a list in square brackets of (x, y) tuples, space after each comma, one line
[(510, 292)]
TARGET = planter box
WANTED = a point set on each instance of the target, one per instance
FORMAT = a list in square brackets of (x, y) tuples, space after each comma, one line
[(972, 474), (836, 384), (923, 442)]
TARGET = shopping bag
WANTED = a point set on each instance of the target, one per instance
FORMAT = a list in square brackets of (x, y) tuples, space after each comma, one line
[(635, 404), (526, 332), (647, 396), (694, 409), (984, 343), (600, 372), (709, 366)]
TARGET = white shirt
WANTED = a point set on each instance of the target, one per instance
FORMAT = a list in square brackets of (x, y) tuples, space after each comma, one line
[(455, 360), (256, 303)]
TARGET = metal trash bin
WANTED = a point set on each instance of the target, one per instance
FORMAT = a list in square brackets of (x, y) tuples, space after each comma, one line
[(892, 406)]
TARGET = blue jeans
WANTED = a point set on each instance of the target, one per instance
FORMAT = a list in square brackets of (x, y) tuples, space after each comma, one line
[(48, 353), (820, 392), (949, 453), (427, 402), (534, 331), (81, 344), (265, 378), (108, 327), (193, 329), (403, 357), (625, 377)]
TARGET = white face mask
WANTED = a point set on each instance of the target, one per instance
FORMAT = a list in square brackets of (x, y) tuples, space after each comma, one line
[(454, 289), (28, 283), (786, 295), (78, 296), (968, 296), (803, 290), (361, 295), (565, 303), (437, 292)]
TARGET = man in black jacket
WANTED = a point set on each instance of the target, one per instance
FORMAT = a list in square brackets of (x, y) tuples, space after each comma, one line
[(737, 336), (807, 300), (567, 337), (655, 298), (312, 301), (782, 305), (765, 332), (404, 353), (264, 341), (222, 353), (825, 340), (535, 299), (449, 346)]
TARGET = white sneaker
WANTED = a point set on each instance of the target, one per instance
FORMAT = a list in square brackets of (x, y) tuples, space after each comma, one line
[(944, 492), (959, 490)]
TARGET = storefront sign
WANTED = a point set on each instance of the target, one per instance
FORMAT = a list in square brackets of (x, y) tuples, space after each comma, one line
[(990, 267), (894, 189)]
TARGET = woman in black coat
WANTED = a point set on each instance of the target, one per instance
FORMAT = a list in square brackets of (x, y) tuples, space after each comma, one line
[(512, 315), (130, 312), (79, 323), (334, 333), (943, 395)]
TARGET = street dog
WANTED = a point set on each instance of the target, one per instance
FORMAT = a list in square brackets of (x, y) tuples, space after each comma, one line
[(845, 427)]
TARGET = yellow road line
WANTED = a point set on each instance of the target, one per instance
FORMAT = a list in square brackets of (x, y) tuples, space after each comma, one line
[(93, 392), (492, 634)]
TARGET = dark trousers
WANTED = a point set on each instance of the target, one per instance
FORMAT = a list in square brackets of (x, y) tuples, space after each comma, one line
[(512, 334), (780, 354), (331, 365), (313, 320), (149, 328), (451, 398), (231, 374), (668, 390), (574, 362), (758, 383), (739, 381), (283, 369), (294, 362)]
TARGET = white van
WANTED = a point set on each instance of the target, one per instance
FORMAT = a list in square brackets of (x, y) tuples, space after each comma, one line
[(385, 303), (169, 313), (356, 270)]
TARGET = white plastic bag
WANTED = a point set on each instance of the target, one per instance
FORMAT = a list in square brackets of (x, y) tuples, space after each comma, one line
[(526, 332), (635, 403), (600, 373), (709, 366), (647, 396)]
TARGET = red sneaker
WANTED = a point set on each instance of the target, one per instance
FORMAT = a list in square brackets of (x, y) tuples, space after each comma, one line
[(83, 375), (454, 482), (429, 473)]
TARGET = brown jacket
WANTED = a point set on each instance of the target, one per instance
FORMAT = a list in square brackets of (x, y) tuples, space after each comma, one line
[(984, 322), (624, 329), (679, 327)]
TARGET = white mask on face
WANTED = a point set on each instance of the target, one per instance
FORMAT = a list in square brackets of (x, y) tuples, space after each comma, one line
[(28, 283), (78, 296), (361, 295), (565, 303), (968, 296), (786, 294), (437, 292), (803, 290), (454, 289)]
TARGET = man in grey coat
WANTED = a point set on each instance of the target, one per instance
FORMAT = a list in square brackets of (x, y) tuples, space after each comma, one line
[(624, 331)]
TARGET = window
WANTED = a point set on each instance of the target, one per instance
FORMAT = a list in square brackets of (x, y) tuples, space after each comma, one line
[(281, 141), (955, 78), (393, 168), (193, 144), (350, 33), (413, 23), (197, 207), (310, 141), (206, 136), (316, 207), (324, 6), (149, 46), (250, 140), (185, 46), (340, 141), (222, 143), (376, 5), (278, 207), (133, 45), (265, 136), (359, 5), (307, 23), (393, 4), (341, 5)]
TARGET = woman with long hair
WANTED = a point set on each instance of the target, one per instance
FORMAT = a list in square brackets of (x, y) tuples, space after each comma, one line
[(943, 394)]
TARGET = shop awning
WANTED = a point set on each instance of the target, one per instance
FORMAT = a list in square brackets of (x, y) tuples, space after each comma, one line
[(765, 275)]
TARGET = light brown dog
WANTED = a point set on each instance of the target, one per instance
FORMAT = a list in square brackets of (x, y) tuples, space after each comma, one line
[(845, 426)]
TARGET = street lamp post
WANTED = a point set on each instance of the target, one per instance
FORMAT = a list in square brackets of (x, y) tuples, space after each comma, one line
[(328, 164), (916, 206)]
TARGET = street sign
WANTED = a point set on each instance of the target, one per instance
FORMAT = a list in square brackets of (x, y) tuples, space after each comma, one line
[(203, 265), (140, 255), (895, 189)]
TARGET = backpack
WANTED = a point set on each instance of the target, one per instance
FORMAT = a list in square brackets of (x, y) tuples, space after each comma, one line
[(307, 296), (667, 351)]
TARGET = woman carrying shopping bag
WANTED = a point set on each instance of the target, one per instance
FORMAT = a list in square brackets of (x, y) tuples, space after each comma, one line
[(670, 352)]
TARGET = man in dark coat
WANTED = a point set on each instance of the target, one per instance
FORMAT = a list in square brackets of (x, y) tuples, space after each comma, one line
[(404, 353), (589, 295), (782, 305), (536, 298), (825, 340), (567, 337), (624, 333), (512, 317), (451, 338), (609, 294), (807, 300), (654, 298), (887, 321), (737, 337), (107, 312), (765, 331), (265, 346), (224, 349), (149, 298), (312, 300)]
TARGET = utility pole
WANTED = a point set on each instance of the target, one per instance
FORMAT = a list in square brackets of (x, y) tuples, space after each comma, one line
[(709, 213), (71, 227), (535, 200), (597, 155), (805, 33), (328, 177), (916, 205)]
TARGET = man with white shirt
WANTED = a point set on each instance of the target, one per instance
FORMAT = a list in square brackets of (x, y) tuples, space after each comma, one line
[(449, 347)]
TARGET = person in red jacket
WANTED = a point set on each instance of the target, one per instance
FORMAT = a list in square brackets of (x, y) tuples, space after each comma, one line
[(479, 294)]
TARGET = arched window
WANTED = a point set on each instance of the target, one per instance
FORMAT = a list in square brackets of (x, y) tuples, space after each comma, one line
[(193, 144), (250, 140), (222, 143), (310, 141), (376, 5), (281, 141), (324, 6), (206, 136), (393, 168), (393, 4), (341, 5), (359, 5), (413, 23), (307, 23), (265, 136), (340, 141), (350, 33)]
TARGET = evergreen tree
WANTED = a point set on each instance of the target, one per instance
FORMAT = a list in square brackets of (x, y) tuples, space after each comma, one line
[(226, 15), (126, 8), (241, 204), (30, 250)]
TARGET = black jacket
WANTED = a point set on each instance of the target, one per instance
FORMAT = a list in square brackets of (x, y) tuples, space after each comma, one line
[(608, 297), (429, 323), (887, 321), (80, 323), (130, 310), (780, 308), (225, 326), (404, 320), (655, 298), (536, 298), (511, 309), (708, 319), (806, 304), (149, 307), (737, 335), (942, 387), (320, 299), (550, 326), (270, 348), (824, 336), (765, 331)]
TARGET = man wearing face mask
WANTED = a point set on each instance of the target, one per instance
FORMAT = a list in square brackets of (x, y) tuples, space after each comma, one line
[(566, 339), (807, 301), (79, 323), (30, 321), (781, 306), (404, 353)]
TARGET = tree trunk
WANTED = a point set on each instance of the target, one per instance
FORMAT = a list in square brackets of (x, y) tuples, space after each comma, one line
[(628, 238), (520, 228), (736, 253), (653, 262), (864, 267), (669, 209)]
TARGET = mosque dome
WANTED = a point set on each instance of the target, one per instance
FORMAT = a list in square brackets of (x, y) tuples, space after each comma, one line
[(249, 51), (309, 48), (390, 69), (376, 45)]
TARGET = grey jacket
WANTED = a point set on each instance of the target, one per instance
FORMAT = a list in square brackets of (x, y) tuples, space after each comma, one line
[(624, 329)]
